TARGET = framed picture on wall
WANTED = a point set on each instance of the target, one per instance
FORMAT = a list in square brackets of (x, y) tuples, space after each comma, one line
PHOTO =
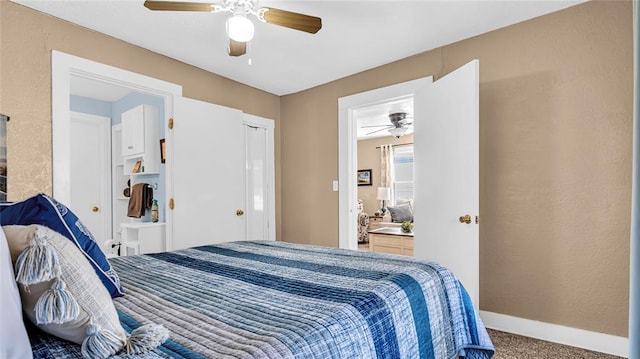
[(364, 177)]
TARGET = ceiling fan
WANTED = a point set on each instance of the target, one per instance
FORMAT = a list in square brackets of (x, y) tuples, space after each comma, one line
[(239, 28), (398, 127)]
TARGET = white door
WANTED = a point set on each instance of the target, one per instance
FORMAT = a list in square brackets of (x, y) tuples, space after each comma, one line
[(260, 177), (256, 182), (207, 174), (447, 174), (90, 181)]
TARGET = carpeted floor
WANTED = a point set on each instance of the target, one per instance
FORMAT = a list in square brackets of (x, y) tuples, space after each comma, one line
[(510, 346)]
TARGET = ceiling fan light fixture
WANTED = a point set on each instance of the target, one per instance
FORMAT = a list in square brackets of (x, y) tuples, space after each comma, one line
[(239, 28), (398, 131)]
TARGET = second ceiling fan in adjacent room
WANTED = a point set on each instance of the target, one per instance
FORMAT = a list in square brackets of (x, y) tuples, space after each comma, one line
[(398, 127)]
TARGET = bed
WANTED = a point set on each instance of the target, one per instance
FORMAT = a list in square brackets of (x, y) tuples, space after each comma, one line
[(264, 299)]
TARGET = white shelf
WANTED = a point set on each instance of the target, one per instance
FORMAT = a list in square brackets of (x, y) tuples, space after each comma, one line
[(136, 140), (136, 225), (142, 174)]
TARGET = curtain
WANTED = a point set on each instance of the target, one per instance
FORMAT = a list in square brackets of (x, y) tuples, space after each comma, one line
[(386, 166)]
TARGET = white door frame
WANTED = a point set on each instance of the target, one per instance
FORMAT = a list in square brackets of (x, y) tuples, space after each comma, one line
[(104, 125), (348, 151), (63, 66)]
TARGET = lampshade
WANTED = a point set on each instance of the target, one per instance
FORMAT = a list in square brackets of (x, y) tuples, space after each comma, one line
[(398, 131), (384, 193), (239, 28)]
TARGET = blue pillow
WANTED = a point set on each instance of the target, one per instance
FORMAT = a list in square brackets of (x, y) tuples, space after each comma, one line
[(46, 211)]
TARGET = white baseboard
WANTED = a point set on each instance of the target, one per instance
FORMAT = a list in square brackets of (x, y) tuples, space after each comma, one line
[(604, 343)]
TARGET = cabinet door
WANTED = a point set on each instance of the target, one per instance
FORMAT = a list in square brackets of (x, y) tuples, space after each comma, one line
[(133, 131), (206, 155)]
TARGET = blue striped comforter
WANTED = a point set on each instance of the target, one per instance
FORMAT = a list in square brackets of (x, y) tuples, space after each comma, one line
[(282, 300)]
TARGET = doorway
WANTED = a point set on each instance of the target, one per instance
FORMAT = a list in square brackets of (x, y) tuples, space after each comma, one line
[(66, 68), (69, 72), (348, 150), (446, 163), (384, 135)]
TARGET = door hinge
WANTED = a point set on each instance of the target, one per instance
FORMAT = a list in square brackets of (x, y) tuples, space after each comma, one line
[(172, 204), (171, 123)]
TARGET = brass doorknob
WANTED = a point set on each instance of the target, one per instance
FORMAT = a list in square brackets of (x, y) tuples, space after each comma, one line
[(95, 209), (239, 212), (465, 219)]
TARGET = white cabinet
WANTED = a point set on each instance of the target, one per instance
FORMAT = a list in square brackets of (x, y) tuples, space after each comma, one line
[(133, 131), (140, 143), (142, 238), (135, 140)]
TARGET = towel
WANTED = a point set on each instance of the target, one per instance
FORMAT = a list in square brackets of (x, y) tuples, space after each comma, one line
[(141, 199)]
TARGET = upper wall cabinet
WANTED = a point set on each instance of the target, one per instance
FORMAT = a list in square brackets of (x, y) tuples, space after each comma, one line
[(140, 139), (133, 131)]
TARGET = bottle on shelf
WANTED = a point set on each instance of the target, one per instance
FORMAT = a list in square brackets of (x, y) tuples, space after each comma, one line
[(154, 211)]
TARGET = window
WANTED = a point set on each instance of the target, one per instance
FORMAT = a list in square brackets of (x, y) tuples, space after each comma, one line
[(403, 172)]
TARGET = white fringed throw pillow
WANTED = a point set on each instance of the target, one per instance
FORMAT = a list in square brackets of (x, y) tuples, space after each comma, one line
[(64, 297)]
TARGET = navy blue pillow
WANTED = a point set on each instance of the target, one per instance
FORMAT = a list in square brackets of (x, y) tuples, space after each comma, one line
[(46, 211)]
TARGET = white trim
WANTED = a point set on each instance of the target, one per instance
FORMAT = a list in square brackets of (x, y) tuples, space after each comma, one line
[(348, 151), (63, 66), (258, 121), (599, 342)]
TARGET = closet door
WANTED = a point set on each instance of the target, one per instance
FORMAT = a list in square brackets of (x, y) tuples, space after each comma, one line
[(256, 182), (207, 159), (259, 177)]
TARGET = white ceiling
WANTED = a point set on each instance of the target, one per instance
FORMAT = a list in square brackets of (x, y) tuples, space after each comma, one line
[(356, 35), (98, 90)]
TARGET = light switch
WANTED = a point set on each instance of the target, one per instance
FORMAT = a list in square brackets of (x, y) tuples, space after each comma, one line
[(335, 186)]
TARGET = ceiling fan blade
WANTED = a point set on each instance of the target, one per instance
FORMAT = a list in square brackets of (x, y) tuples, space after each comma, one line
[(236, 48), (382, 129), (376, 126), (179, 6), (292, 20)]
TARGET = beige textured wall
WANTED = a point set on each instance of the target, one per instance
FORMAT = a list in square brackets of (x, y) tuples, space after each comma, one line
[(25, 88), (369, 158), (555, 161), (555, 146)]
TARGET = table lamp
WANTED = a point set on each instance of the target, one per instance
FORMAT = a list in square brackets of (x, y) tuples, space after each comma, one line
[(384, 194)]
